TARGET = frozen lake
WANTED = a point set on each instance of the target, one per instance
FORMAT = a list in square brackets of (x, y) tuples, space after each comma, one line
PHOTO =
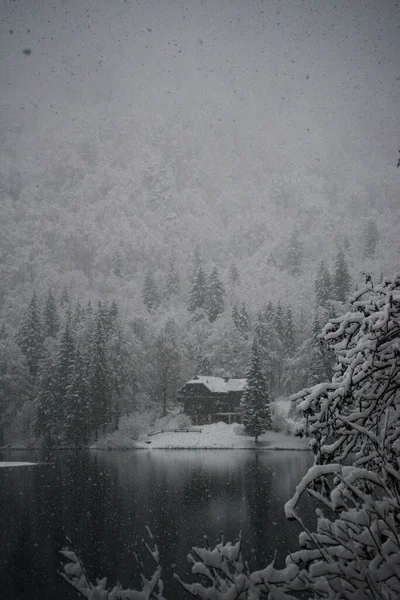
[(103, 501)]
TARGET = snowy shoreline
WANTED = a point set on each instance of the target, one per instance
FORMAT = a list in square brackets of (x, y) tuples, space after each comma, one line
[(172, 432)]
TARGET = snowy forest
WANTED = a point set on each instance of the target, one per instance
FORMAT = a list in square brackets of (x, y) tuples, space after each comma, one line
[(71, 366), (167, 198), (149, 280)]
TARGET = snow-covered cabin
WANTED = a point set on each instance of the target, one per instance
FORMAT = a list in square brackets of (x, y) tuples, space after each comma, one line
[(211, 399)]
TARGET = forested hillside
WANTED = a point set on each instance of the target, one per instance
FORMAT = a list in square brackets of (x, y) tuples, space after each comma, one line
[(194, 249)]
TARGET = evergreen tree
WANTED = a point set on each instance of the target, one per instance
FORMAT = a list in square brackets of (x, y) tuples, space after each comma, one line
[(196, 261), (78, 409), (113, 313), (167, 365), (269, 313), (215, 296), (122, 368), (294, 256), (99, 378), (269, 351), (236, 316), (78, 317), (89, 310), (198, 291), (15, 383), (150, 293), (103, 316), (172, 283), (233, 274), (30, 336), (51, 322), (288, 333), (279, 320), (323, 285), (46, 398), (341, 279), (65, 359), (241, 318), (244, 319), (64, 298), (203, 365), (255, 405), (371, 238)]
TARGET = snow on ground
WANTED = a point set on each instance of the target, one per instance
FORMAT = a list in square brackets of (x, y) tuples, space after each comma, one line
[(16, 464), (217, 435)]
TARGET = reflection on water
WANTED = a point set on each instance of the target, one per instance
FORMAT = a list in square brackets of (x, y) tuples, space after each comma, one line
[(104, 501)]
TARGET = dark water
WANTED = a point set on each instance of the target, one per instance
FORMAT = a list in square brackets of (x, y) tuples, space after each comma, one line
[(103, 502)]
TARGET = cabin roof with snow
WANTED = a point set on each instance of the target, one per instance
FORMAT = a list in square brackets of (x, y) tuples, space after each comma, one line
[(218, 385)]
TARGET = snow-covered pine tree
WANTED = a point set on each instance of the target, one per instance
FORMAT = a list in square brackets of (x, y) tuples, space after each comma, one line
[(123, 368), (236, 316), (51, 321), (30, 336), (203, 365), (255, 403), (233, 275), (311, 362), (172, 283), (279, 327), (215, 302), (167, 365), (89, 310), (241, 318), (78, 409), (198, 291), (113, 313), (244, 319), (269, 350), (341, 278), (64, 297), (65, 357), (269, 313), (15, 384), (78, 317), (279, 320), (46, 397), (99, 378), (150, 293), (323, 285), (288, 337)]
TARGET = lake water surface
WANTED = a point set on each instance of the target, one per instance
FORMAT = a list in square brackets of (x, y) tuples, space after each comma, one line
[(103, 502)]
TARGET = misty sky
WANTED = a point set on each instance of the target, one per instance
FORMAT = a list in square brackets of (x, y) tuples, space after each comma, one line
[(312, 75)]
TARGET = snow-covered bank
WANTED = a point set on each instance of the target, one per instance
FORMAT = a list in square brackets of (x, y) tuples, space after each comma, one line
[(220, 435), (216, 436), (16, 464)]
